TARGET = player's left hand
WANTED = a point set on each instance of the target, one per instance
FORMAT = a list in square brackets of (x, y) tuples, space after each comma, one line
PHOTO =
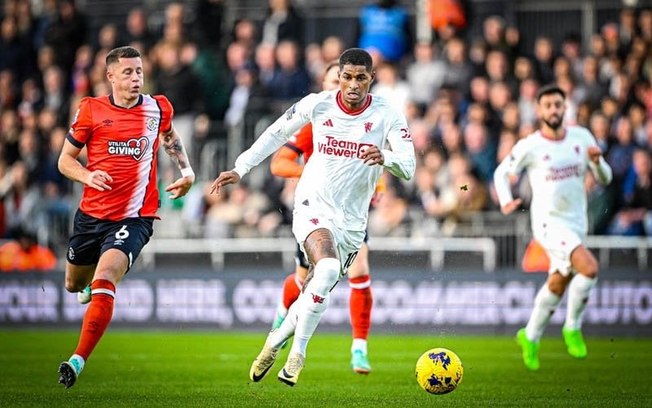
[(594, 154), (225, 177), (372, 156), (180, 187)]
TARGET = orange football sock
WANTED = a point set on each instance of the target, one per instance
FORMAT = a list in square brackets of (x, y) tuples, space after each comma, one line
[(291, 290), (97, 317), (360, 304)]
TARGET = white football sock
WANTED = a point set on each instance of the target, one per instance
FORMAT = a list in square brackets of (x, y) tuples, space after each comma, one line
[(313, 301), (579, 290), (281, 310), (359, 344), (545, 304), (277, 337)]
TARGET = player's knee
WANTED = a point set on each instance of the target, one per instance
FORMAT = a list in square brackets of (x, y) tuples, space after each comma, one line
[(326, 275), (590, 270), (74, 285), (557, 284)]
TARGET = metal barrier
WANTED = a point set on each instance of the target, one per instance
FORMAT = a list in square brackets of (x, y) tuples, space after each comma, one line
[(218, 248), (604, 244)]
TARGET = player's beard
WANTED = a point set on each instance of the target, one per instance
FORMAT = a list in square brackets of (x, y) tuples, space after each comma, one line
[(554, 122)]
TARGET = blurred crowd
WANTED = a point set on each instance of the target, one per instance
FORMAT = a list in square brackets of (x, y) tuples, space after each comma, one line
[(467, 100)]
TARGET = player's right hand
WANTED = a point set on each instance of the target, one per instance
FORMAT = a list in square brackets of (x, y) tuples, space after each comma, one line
[(98, 180), (511, 206), (225, 177)]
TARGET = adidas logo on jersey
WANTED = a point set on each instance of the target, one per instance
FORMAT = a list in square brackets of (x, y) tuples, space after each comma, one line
[(328, 123)]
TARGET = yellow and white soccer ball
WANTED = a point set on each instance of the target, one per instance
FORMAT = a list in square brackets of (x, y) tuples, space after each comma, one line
[(439, 371)]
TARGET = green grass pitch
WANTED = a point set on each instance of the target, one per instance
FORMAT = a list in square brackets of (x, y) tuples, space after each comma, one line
[(210, 369)]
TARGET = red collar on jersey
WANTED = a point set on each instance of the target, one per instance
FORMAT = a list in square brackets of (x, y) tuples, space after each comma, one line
[(340, 103)]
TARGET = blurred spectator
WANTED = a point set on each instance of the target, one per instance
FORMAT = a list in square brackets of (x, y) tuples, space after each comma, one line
[(481, 150), (8, 91), (620, 153), (209, 16), (137, 30), (524, 69), (56, 97), (448, 17), (493, 34), (389, 216), (600, 205), (80, 77), (248, 102), (571, 50), (178, 82), (645, 24), (600, 127), (637, 118), (591, 88), (291, 80), (23, 254), (9, 135), (544, 52), (31, 101), (458, 68), (331, 48), (282, 23), (67, 33), (425, 75), (527, 101), (627, 28), (635, 217), (389, 85), (14, 53), (384, 27), (245, 32), (265, 58), (21, 197), (239, 213), (213, 76)]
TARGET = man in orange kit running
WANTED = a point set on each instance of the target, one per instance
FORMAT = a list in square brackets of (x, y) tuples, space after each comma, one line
[(121, 133)]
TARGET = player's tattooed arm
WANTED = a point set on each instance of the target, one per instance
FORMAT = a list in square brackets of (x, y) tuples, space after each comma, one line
[(174, 148)]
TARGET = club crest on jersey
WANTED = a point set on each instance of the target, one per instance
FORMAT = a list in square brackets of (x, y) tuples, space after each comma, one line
[(135, 148), (151, 124), (367, 127)]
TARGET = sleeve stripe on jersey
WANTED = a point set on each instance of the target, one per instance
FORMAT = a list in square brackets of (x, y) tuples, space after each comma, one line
[(74, 142), (294, 148), (160, 117)]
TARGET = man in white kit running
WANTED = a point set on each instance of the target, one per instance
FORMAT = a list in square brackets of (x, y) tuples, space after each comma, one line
[(351, 131), (556, 159)]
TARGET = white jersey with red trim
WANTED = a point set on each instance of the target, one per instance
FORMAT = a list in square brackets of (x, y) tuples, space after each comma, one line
[(335, 178), (556, 170)]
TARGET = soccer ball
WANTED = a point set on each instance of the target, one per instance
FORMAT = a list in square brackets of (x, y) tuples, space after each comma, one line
[(439, 371)]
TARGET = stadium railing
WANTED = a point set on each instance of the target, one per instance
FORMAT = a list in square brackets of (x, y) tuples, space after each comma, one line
[(436, 247), (605, 244)]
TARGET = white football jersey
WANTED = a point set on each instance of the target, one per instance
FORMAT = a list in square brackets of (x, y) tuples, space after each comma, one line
[(335, 178), (556, 170)]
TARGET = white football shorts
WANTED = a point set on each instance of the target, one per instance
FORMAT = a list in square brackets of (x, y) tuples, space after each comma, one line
[(309, 219), (559, 242)]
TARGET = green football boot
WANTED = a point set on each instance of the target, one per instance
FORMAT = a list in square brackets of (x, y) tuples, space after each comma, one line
[(530, 350), (574, 342)]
